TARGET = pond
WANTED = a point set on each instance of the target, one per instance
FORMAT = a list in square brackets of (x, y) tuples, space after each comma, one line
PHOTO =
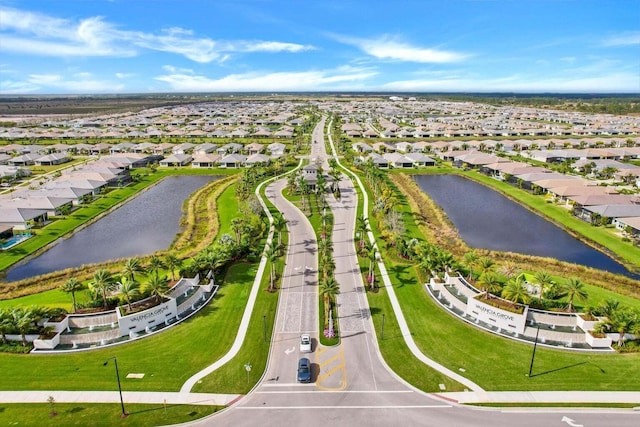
[(486, 219), (145, 224)]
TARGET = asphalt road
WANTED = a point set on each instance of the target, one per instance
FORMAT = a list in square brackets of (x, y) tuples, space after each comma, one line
[(352, 385)]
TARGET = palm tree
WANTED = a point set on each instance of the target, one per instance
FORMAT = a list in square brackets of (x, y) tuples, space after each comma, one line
[(486, 264), (101, 284), (574, 288), (214, 259), (371, 255), (328, 266), (272, 256), (328, 290), (321, 188), (129, 289), (5, 324), (157, 287), (238, 226), (72, 286), (509, 270), (155, 265), (608, 307), (362, 226), (469, 260), (22, 320), (132, 267), (172, 262), (279, 224), (489, 282), (545, 281), (516, 291), (622, 321), (324, 247)]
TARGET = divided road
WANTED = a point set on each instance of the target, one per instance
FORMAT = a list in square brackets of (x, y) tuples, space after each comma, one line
[(352, 385)]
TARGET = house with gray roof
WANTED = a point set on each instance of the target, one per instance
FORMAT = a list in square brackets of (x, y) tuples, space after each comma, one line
[(257, 158), (207, 160), (232, 161), (230, 148), (176, 160), (19, 218), (52, 159)]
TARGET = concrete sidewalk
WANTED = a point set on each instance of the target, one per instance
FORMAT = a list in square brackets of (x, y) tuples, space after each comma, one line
[(172, 398), (542, 397)]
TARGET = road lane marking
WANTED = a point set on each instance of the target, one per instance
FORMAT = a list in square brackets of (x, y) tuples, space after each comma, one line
[(339, 367), (323, 391), (349, 407)]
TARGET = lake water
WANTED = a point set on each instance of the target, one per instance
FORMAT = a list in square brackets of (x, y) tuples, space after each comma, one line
[(486, 219), (145, 224)]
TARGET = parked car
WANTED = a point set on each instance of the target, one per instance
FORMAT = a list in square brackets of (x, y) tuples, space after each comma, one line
[(304, 370), (305, 343)]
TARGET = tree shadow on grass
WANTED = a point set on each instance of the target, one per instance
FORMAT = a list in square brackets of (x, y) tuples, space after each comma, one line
[(401, 274), (562, 369)]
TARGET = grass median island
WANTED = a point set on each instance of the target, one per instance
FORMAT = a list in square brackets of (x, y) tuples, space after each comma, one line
[(101, 414)]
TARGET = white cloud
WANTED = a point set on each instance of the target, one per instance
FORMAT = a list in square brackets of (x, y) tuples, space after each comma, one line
[(270, 46), (630, 38), (37, 34), (340, 78), (10, 87), (386, 47), (78, 83), (614, 82)]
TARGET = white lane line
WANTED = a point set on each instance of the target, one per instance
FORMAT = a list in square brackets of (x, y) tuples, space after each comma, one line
[(346, 407), (328, 391)]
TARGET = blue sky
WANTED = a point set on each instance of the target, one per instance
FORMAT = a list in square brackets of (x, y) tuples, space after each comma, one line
[(133, 46)]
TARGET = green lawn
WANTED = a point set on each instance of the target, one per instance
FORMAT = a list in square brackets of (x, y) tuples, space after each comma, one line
[(53, 298), (100, 414), (495, 363), (167, 359)]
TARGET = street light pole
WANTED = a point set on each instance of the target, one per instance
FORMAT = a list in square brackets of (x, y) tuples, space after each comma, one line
[(533, 355), (115, 362), (382, 334), (264, 326)]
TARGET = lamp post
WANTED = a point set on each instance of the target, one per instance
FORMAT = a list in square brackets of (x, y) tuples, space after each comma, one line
[(382, 334), (247, 367), (115, 362), (535, 344), (264, 327)]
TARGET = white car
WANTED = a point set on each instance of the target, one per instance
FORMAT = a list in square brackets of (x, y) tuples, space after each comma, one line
[(305, 343)]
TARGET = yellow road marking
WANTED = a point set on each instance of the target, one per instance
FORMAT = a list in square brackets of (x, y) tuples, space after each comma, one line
[(339, 367)]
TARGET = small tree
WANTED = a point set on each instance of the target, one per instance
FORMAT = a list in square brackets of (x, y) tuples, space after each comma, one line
[(574, 288), (72, 286), (52, 406)]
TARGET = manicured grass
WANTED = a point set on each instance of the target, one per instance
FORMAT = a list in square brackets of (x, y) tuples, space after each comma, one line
[(53, 298), (100, 414), (167, 359), (232, 377), (556, 405)]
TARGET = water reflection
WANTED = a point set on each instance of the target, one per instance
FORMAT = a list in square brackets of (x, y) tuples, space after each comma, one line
[(145, 224), (486, 219)]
